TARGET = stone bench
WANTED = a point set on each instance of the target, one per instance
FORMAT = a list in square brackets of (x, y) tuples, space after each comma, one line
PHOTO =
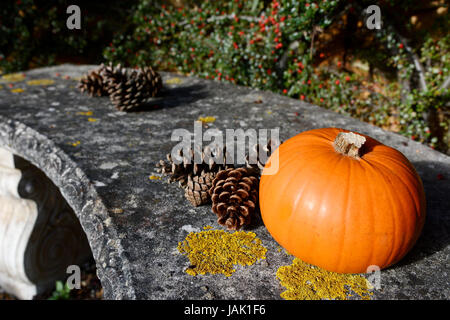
[(100, 161)]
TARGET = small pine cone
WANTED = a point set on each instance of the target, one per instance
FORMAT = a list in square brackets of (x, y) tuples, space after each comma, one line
[(259, 150), (154, 78), (187, 167), (130, 89), (197, 188), (234, 196), (94, 83)]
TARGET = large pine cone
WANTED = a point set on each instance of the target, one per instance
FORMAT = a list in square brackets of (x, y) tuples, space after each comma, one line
[(197, 188), (94, 83), (234, 196), (130, 89)]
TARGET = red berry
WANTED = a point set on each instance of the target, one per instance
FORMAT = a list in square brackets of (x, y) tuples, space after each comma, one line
[(337, 82), (400, 45), (302, 97), (284, 91)]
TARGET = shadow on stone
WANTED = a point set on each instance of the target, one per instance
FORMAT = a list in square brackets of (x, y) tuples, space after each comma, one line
[(174, 97), (436, 231), (256, 222)]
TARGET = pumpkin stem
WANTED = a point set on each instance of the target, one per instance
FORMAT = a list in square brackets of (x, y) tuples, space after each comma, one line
[(349, 144)]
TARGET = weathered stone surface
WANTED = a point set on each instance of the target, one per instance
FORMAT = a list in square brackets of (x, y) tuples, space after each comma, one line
[(109, 168)]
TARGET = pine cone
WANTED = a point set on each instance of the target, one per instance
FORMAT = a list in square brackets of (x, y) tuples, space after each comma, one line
[(197, 188), (234, 196), (154, 80), (130, 89), (259, 149), (187, 167), (94, 83)]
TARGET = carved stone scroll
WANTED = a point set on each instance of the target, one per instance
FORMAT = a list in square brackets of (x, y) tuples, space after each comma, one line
[(40, 235)]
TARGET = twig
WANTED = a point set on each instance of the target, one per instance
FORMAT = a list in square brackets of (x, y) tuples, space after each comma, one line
[(445, 84), (419, 67), (282, 63), (225, 17), (232, 16)]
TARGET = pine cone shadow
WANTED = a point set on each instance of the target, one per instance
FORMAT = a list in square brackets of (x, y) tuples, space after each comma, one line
[(256, 221), (173, 97)]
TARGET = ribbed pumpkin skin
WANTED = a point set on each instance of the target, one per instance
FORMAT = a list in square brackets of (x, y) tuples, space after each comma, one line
[(340, 213)]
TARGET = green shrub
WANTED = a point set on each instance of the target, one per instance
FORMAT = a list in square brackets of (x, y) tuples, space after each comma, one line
[(34, 33), (272, 45)]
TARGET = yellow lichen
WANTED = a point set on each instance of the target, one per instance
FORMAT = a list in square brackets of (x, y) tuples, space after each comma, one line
[(17, 90), (307, 282), (208, 227), (13, 77), (152, 177), (74, 144), (85, 113), (40, 82), (217, 251), (174, 81), (206, 119), (92, 119)]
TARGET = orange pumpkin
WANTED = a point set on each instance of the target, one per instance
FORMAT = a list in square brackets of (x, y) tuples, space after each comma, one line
[(342, 201)]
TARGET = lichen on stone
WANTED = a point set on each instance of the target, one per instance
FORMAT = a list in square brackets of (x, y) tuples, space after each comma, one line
[(17, 90), (207, 119), (85, 113), (40, 82), (218, 251), (13, 77), (174, 80), (306, 282)]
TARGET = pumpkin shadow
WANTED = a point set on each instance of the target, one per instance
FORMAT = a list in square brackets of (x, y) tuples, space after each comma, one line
[(171, 97), (435, 234)]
